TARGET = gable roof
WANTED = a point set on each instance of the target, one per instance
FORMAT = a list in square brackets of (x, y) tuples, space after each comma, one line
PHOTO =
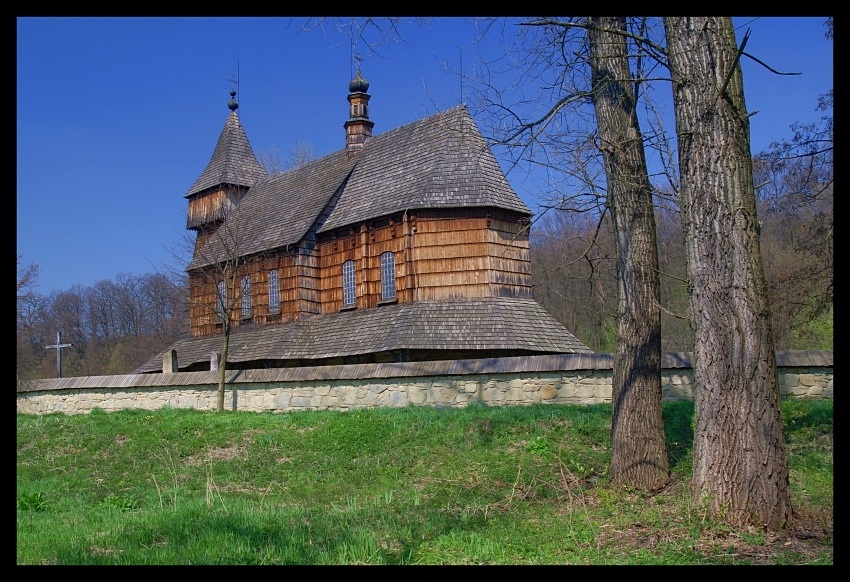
[(440, 161), (233, 161), (280, 209), (460, 325)]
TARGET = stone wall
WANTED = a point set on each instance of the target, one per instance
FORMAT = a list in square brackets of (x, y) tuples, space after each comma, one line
[(452, 384)]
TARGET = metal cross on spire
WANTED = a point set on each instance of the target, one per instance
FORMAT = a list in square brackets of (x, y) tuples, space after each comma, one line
[(234, 87), (58, 347)]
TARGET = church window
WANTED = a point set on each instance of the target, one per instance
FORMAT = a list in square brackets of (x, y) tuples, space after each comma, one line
[(348, 283), (246, 296), (388, 276), (221, 301), (274, 291)]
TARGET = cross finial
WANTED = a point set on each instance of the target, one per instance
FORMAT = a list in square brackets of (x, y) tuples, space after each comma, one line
[(233, 105)]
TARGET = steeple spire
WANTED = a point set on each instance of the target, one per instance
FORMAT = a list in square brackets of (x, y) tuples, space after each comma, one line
[(358, 128), (232, 169)]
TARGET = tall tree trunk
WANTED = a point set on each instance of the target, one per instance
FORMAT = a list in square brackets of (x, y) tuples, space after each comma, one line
[(740, 462), (639, 449), (227, 326)]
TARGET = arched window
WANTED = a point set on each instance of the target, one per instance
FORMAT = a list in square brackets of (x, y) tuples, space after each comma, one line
[(388, 276), (348, 283)]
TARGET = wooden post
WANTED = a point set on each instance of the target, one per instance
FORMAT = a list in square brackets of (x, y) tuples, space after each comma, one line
[(169, 362)]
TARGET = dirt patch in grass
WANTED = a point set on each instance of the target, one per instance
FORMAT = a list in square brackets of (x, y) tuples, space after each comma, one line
[(807, 539)]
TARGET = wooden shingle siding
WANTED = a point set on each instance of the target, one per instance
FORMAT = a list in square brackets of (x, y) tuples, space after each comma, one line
[(365, 250), (445, 256), (442, 257), (203, 294), (211, 206)]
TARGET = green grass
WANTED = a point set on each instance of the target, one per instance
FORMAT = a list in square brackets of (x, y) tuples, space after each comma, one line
[(482, 485)]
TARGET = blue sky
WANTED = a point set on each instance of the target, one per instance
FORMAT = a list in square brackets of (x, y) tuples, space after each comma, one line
[(117, 117)]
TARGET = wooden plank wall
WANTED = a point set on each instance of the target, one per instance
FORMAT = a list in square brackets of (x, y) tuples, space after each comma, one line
[(471, 255), (308, 280), (510, 259), (203, 320), (364, 245), (451, 257), (211, 205), (438, 255)]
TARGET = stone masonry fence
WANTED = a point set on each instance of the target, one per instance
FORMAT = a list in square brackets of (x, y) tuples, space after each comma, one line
[(555, 379)]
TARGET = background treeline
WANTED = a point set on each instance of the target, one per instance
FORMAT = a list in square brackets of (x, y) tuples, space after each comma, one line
[(116, 325), (574, 259), (576, 280)]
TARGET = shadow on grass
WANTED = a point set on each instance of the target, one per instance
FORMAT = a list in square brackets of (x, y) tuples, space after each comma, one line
[(800, 416), (197, 535), (679, 426)]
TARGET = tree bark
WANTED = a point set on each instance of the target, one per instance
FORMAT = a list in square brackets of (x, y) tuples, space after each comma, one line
[(739, 457), (222, 365), (639, 448)]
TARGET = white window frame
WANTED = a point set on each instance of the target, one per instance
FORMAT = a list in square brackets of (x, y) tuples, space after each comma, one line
[(274, 291), (246, 296), (349, 283), (388, 275)]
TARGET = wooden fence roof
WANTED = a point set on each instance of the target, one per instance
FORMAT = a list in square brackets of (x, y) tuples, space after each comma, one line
[(521, 364)]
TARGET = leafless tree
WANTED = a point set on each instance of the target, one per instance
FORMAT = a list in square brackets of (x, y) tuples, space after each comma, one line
[(795, 195), (216, 273), (167, 305), (113, 326), (573, 263), (274, 163), (31, 307), (740, 461), (578, 143), (676, 333), (67, 312), (27, 279), (639, 447)]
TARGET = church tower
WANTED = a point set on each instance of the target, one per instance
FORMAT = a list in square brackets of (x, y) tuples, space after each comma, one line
[(358, 128), (232, 169)]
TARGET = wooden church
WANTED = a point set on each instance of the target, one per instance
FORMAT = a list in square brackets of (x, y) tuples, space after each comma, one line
[(408, 245)]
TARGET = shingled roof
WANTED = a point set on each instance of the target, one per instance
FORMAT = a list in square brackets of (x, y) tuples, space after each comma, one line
[(487, 325), (233, 161), (280, 210), (440, 161)]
